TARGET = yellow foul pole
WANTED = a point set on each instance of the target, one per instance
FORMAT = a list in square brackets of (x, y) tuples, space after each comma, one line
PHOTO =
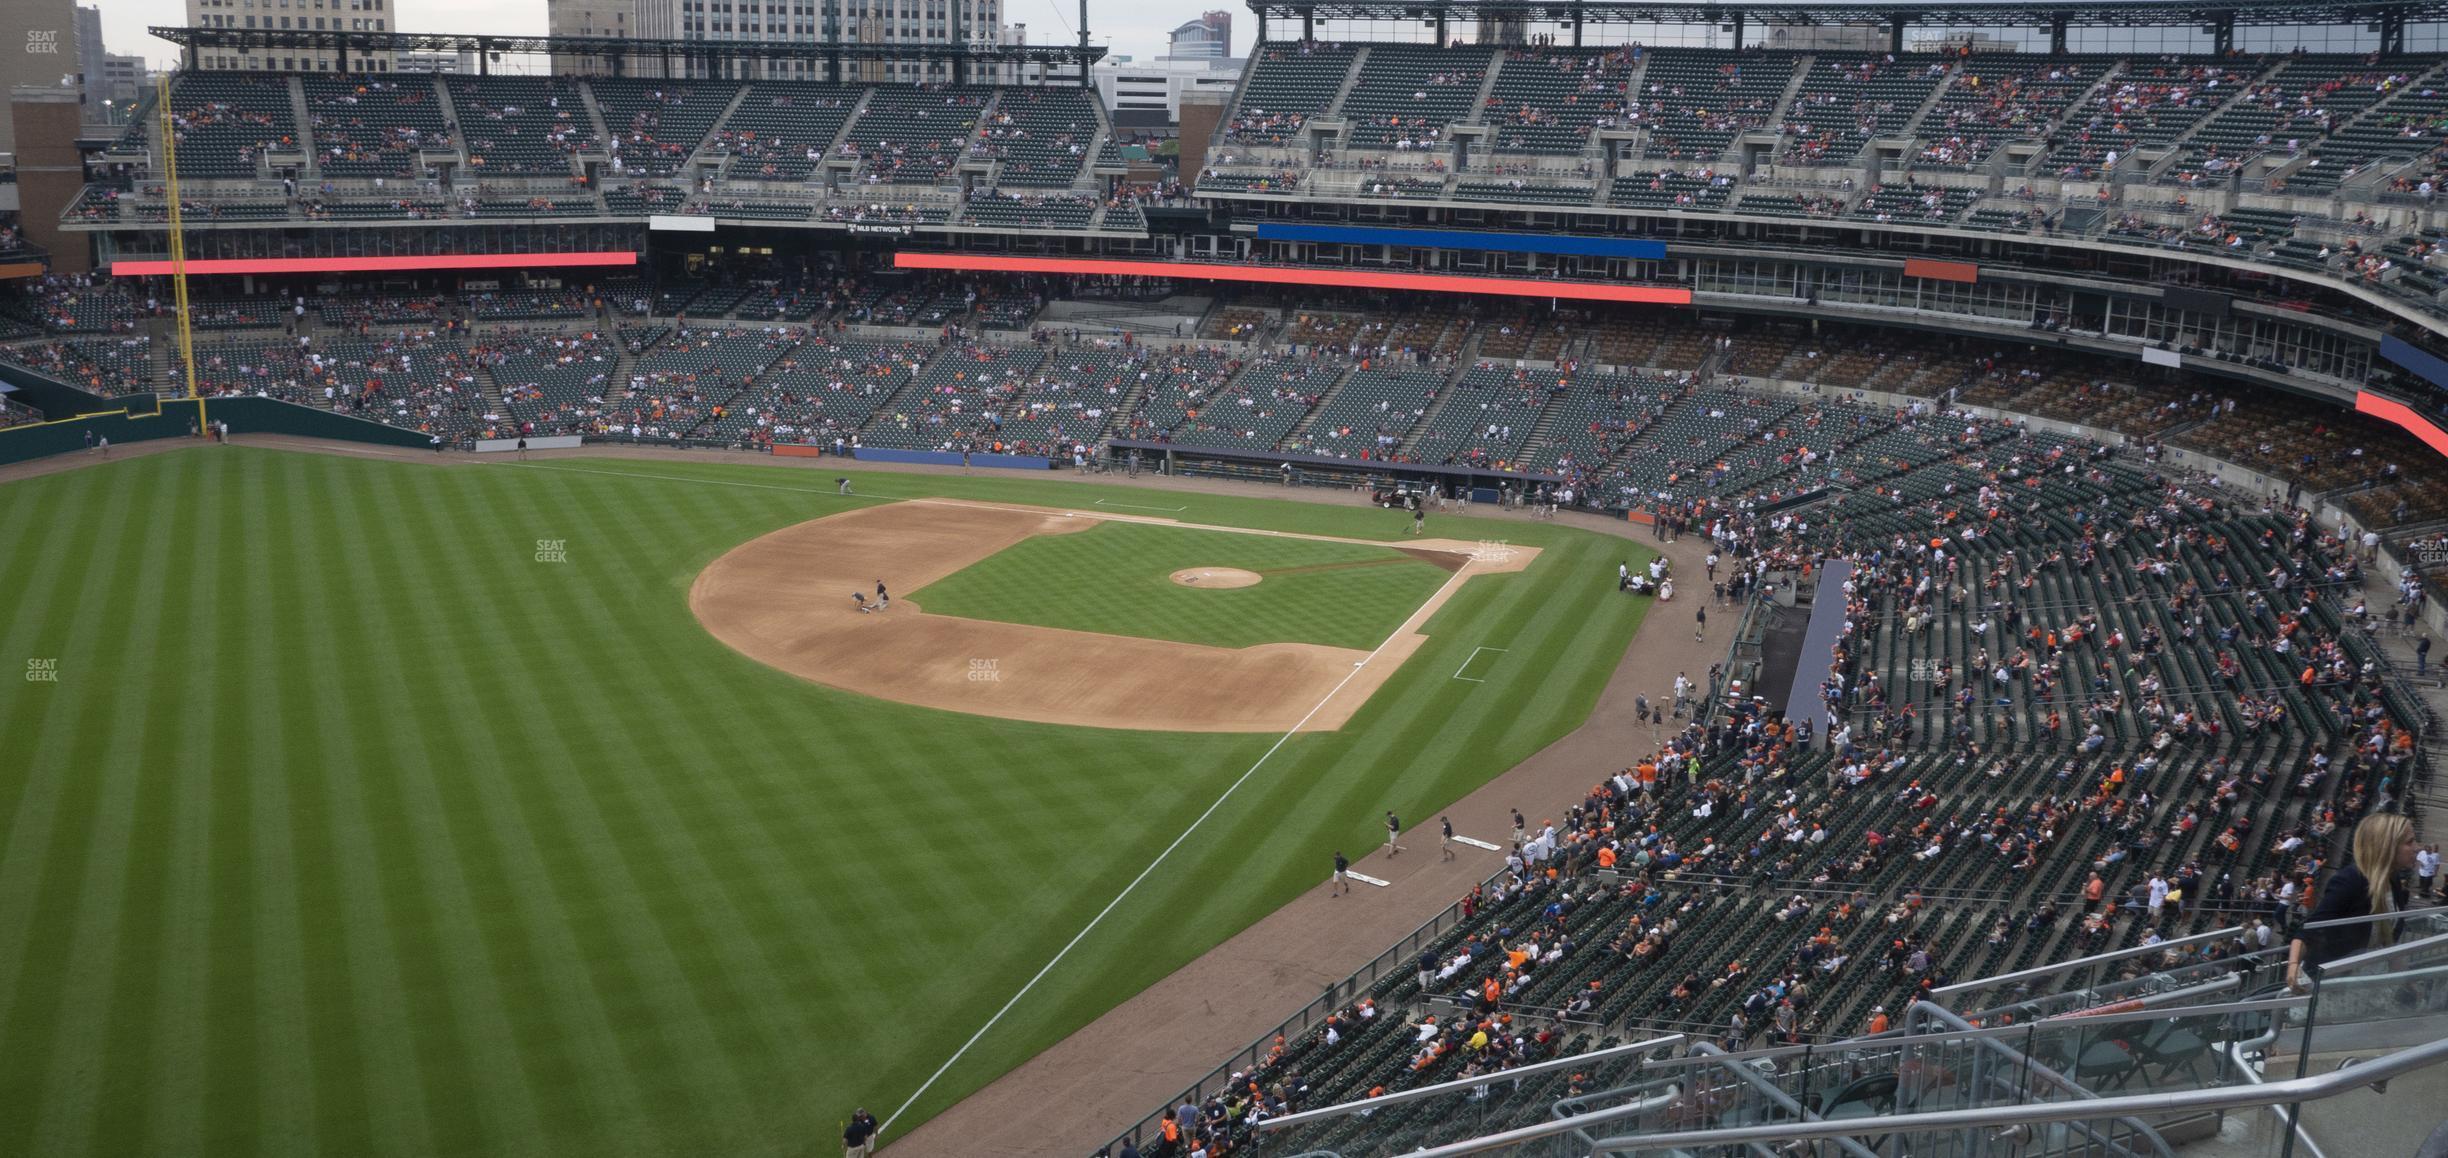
[(167, 146)]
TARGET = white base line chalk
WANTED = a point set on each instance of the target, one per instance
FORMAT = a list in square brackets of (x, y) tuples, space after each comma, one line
[(1469, 659)]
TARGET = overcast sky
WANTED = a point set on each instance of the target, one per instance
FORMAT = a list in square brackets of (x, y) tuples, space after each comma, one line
[(1136, 27)]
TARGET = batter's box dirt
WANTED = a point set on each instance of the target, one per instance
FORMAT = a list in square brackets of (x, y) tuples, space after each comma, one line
[(784, 599)]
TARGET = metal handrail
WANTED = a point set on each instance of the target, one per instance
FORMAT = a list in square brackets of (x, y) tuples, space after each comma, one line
[(2238, 1097), (1370, 1105), (2400, 915), (2039, 971), (2383, 953), (1680, 1069)]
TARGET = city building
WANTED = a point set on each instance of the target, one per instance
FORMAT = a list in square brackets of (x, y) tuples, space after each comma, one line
[(1146, 96), (296, 15), (122, 84), (47, 31), (929, 22), (89, 57), (1207, 38)]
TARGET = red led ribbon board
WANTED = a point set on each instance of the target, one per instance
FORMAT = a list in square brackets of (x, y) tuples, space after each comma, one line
[(1348, 278), (1962, 271), (444, 261), (2391, 410)]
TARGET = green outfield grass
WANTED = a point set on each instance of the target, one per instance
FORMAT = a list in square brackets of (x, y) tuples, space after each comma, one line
[(353, 825), (1117, 579)]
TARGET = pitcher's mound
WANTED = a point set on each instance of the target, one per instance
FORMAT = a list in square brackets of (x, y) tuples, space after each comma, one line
[(1215, 577)]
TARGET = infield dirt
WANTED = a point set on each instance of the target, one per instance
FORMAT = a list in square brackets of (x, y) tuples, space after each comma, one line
[(785, 600)]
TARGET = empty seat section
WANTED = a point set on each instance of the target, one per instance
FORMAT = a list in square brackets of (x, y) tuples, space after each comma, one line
[(1407, 94), (1694, 101), (373, 126), (1517, 192), (1287, 85), (2148, 102), (226, 122), (1069, 401), (1370, 415), (1492, 413), (1848, 98), (656, 125), (1013, 211), (1993, 101), (514, 126), (1667, 189), (956, 399), (1547, 100), (822, 391), (914, 136), (781, 130), (1927, 203), (1253, 411), (550, 383), (1041, 136)]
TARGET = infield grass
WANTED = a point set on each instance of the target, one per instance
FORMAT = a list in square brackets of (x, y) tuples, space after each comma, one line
[(355, 824), (1117, 578)]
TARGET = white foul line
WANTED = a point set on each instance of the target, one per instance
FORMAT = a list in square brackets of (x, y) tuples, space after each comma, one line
[(1144, 873), (1137, 507), (1466, 662)]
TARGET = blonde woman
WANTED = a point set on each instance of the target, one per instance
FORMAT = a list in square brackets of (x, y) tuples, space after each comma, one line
[(2374, 884)]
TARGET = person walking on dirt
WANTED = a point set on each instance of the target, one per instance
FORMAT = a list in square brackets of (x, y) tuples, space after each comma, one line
[(1445, 841), (1393, 830), (1700, 628), (883, 598), (1341, 883)]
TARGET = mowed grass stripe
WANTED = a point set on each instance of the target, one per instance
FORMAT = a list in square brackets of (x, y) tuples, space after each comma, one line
[(601, 1086), (633, 856), (59, 589), (467, 845), (370, 1095), (276, 1087), (161, 1057), (55, 832), (113, 821), (476, 1096), (539, 981)]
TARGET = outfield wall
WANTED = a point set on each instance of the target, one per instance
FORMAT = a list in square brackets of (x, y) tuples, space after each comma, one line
[(952, 458), (178, 418)]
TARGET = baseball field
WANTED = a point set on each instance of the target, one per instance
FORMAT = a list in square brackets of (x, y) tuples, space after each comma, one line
[(373, 807)]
